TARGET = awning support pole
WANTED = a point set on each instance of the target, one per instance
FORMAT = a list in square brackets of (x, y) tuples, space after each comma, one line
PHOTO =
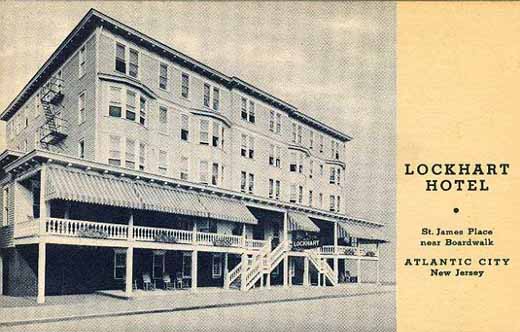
[(226, 271), (194, 270), (129, 275)]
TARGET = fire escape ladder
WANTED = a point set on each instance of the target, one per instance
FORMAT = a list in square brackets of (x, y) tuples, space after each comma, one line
[(54, 128)]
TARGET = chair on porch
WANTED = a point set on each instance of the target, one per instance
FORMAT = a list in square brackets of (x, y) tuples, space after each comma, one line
[(167, 282), (179, 280), (148, 284)]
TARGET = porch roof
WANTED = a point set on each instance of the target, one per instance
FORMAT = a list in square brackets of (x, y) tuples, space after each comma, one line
[(76, 185), (301, 222), (161, 198), (227, 209), (362, 232)]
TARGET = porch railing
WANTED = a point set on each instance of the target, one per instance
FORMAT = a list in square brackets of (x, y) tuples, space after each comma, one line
[(99, 230), (349, 251)]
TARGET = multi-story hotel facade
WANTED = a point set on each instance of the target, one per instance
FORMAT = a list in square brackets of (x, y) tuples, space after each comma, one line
[(129, 164)]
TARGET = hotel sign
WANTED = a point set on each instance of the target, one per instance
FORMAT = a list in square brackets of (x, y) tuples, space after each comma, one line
[(306, 242)]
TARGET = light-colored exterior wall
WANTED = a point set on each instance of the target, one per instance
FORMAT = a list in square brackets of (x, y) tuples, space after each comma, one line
[(100, 74)]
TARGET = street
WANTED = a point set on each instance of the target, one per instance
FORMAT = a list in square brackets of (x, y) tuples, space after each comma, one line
[(374, 312)]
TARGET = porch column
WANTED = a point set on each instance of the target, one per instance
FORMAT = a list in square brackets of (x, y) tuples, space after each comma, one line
[(194, 233), (359, 270), (41, 272), (131, 227), (243, 272), (44, 208), (243, 235), (1, 273), (226, 271), (286, 271), (129, 275), (336, 259), (194, 268), (306, 271), (285, 226), (66, 213)]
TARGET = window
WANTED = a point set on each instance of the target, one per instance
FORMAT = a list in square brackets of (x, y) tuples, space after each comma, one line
[(332, 206), (321, 169), (216, 135), (5, 212), (337, 150), (277, 190), (248, 115), (222, 175), (332, 178), (252, 117), (300, 134), (130, 105), (338, 177), (81, 56), (320, 200), (222, 138), (216, 99), (338, 201), (81, 148), (271, 121), (292, 162), (37, 103), (271, 155), (300, 194), (158, 265), (278, 123), (185, 85), (133, 68), (203, 171), (278, 158), (243, 146), (207, 90), (120, 58), (271, 188), (119, 264), (292, 194), (142, 111), (311, 168), (214, 174), (35, 188), (115, 151), (274, 189), (251, 147), (81, 108), (163, 162), (294, 132), (163, 76), (216, 270), (204, 127), (310, 198), (184, 168), (251, 188), (311, 139), (321, 143), (114, 108), (300, 166), (163, 119), (142, 156), (185, 125), (243, 111), (332, 149), (186, 264), (130, 153), (243, 179)]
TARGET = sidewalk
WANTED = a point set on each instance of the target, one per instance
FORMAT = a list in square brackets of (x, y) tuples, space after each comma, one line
[(61, 308)]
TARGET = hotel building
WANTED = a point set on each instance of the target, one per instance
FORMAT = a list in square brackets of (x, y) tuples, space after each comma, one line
[(130, 165)]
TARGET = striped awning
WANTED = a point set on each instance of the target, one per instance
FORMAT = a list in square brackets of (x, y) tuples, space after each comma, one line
[(362, 232), (301, 222), (227, 209), (77, 185), (160, 198)]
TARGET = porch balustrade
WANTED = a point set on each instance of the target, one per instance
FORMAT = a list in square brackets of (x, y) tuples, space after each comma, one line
[(349, 251), (98, 230)]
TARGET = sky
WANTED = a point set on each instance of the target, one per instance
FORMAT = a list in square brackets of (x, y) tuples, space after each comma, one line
[(334, 61)]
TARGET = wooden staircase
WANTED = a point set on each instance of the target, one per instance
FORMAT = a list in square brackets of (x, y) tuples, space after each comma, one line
[(322, 266)]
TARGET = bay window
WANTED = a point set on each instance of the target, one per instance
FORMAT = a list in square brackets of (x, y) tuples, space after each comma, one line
[(163, 162), (184, 168), (114, 108), (114, 157), (203, 171), (204, 127), (185, 125), (130, 153), (130, 105)]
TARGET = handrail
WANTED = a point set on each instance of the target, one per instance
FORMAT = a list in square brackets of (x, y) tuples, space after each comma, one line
[(80, 228)]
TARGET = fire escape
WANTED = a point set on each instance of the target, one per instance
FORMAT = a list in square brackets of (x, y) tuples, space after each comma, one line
[(54, 128)]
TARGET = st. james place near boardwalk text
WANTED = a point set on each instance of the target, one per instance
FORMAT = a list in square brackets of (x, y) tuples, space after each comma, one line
[(457, 169)]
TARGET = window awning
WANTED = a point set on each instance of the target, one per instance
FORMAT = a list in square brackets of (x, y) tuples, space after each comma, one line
[(76, 185), (227, 209), (301, 222), (164, 199), (362, 232)]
